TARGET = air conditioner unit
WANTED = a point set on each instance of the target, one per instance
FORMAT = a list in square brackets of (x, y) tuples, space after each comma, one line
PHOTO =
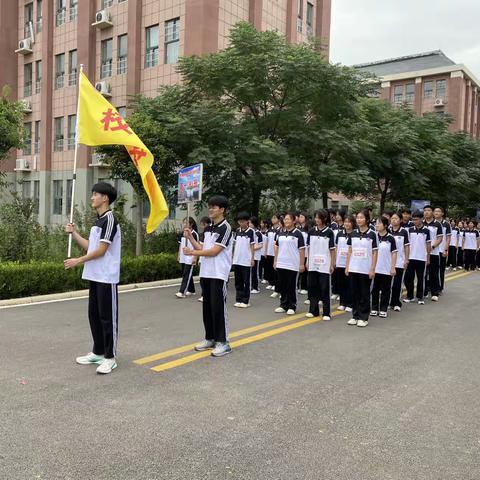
[(439, 102), (24, 46), (22, 165), (97, 160), (103, 88), (103, 19), (26, 105)]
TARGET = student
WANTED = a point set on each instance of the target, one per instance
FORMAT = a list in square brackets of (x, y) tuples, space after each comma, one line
[(216, 253), (344, 282), (461, 234), (333, 215), (432, 279), (407, 218), (102, 270), (419, 257), (264, 227), (320, 264), (271, 238), (289, 262), (204, 223), (243, 259), (187, 262), (439, 214), (453, 247), (371, 222), (337, 227), (470, 245), (384, 269), (303, 226), (360, 267), (402, 241), (257, 248)]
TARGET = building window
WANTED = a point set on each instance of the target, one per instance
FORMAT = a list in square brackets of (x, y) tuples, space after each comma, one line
[(69, 195), (27, 80), (410, 93), (36, 196), (27, 143), (71, 129), (26, 192), (28, 19), (57, 197), (38, 76), (39, 16), (106, 3), (428, 89), (72, 68), (59, 70), (398, 94), (73, 10), (309, 18), (37, 136), (440, 88), (107, 58), (151, 55), (61, 15), (172, 40), (122, 54), (122, 111), (59, 137)]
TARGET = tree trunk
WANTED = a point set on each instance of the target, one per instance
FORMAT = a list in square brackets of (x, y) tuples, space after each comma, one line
[(255, 205), (383, 200), (325, 199), (139, 236)]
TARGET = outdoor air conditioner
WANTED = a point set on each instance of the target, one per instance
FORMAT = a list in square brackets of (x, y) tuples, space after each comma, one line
[(102, 19), (23, 165), (103, 88), (24, 46), (26, 105), (97, 160), (439, 102)]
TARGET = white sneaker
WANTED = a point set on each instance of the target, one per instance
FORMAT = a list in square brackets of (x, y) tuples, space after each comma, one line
[(333, 297), (307, 302), (348, 309), (200, 299), (264, 282), (382, 314), (434, 298), (243, 305), (341, 308), (397, 308), (352, 321), (205, 345), (303, 292), (89, 359), (280, 310), (236, 304), (421, 302), (309, 315), (107, 366), (254, 291), (269, 287), (326, 317), (274, 295), (290, 312), (180, 295), (362, 323), (454, 269), (221, 349), (190, 294), (408, 300), (373, 313)]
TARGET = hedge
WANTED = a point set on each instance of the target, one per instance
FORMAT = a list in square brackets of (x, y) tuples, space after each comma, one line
[(41, 278)]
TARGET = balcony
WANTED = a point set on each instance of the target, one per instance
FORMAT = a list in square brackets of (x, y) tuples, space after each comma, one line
[(71, 142), (38, 86), (72, 78), (122, 65), (60, 17), (151, 59), (73, 12), (27, 89), (299, 25), (58, 146), (59, 81), (106, 70)]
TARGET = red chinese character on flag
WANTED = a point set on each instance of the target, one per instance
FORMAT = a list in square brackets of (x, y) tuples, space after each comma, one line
[(115, 118), (136, 154)]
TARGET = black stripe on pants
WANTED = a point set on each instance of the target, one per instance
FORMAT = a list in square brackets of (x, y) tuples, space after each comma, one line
[(361, 284), (395, 300), (469, 259), (255, 277), (215, 318), (242, 283), (187, 279), (381, 292), (344, 283), (287, 287), (319, 291), (415, 268), (432, 279), (443, 267), (103, 318)]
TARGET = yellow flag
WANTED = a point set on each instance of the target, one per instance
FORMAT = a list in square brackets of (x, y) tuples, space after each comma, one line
[(99, 123)]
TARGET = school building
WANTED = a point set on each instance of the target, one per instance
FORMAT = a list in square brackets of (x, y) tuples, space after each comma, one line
[(128, 47), (430, 82)]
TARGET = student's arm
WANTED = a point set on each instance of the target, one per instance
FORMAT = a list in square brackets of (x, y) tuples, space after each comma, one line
[(429, 251), (79, 240), (275, 249), (211, 252), (438, 238), (448, 239), (347, 262), (371, 274), (252, 249), (302, 260), (333, 259), (393, 271), (407, 254), (187, 232)]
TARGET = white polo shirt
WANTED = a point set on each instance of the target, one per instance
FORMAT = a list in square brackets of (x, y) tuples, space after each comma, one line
[(219, 266), (419, 239), (436, 231), (184, 242), (402, 240), (363, 245), (320, 243), (271, 238), (470, 242), (258, 241), (341, 239), (104, 269), (289, 245), (447, 232), (242, 249), (386, 246), (454, 238)]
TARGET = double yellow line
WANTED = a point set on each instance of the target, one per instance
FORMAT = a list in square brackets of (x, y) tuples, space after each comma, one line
[(292, 325)]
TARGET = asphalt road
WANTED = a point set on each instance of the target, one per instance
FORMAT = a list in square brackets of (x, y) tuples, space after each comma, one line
[(295, 400)]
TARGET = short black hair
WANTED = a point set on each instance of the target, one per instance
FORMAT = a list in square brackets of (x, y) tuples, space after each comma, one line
[(255, 221), (366, 213), (441, 208), (219, 201), (104, 188), (323, 215), (406, 210), (205, 221), (417, 214), (243, 216), (383, 220), (428, 206)]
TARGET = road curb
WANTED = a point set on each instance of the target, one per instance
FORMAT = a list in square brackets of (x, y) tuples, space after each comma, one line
[(83, 293)]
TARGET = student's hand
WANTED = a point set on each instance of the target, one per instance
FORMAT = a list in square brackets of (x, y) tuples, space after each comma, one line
[(252, 263), (187, 251), (70, 228), (444, 253), (187, 232), (393, 272), (71, 263), (274, 265), (332, 269), (405, 265), (371, 274), (346, 272), (302, 268)]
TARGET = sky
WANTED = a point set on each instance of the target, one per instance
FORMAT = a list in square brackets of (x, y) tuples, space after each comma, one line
[(369, 30)]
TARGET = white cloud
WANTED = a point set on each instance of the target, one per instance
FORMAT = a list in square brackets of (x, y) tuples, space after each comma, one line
[(369, 30)]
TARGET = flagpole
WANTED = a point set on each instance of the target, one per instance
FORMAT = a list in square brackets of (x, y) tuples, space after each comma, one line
[(74, 179)]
